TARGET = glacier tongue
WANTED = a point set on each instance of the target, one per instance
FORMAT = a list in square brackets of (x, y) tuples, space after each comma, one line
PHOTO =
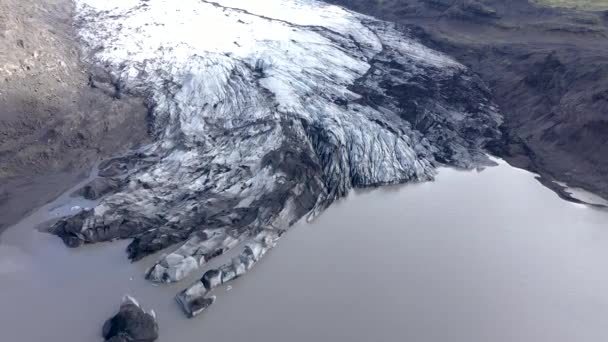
[(264, 112)]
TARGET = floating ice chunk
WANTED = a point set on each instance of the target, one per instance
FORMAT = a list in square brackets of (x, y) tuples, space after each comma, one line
[(196, 298)]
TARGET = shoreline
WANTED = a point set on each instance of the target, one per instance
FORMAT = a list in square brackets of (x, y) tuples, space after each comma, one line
[(560, 189)]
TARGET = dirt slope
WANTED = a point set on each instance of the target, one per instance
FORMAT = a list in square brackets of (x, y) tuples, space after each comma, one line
[(53, 124)]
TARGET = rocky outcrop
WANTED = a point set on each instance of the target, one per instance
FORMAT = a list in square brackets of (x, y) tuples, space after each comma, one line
[(295, 105), (131, 324)]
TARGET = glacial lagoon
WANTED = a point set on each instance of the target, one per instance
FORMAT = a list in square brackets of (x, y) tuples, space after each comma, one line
[(474, 256)]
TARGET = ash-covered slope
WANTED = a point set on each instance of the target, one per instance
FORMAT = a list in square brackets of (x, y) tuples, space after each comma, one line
[(547, 68), (263, 112)]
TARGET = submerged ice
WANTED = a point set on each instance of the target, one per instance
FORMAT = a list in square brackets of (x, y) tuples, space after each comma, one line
[(263, 112)]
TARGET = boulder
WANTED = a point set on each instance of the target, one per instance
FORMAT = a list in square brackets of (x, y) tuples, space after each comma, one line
[(131, 324)]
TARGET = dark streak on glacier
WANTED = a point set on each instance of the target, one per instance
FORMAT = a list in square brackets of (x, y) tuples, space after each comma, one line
[(263, 122)]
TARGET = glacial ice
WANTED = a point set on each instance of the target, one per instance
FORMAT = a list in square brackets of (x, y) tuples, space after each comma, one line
[(264, 112)]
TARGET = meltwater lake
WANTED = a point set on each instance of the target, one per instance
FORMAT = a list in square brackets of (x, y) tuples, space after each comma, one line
[(472, 257)]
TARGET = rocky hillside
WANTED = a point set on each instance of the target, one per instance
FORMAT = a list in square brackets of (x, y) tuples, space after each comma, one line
[(547, 68), (53, 122)]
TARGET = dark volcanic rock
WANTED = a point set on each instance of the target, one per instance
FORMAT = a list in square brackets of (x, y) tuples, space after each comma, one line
[(131, 324)]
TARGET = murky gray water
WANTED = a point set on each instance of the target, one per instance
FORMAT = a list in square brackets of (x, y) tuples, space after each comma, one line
[(489, 256)]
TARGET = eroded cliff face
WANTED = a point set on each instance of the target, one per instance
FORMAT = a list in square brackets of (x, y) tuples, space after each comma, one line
[(264, 112)]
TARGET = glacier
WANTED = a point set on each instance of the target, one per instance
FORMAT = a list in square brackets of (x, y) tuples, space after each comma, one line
[(262, 113)]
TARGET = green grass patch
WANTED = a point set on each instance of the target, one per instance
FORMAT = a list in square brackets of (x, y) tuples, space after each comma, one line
[(588, 5)]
